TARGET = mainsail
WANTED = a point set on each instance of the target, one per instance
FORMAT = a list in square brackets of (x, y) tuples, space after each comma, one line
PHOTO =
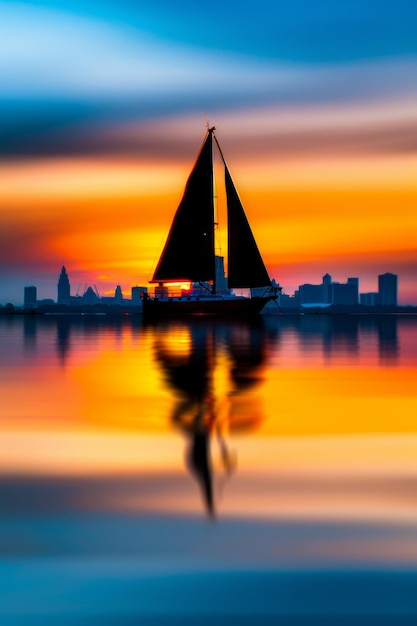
[(189, 250)]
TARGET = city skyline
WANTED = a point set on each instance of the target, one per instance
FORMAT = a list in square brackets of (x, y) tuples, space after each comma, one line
[(47, 285), (315, 108), (387, 285)]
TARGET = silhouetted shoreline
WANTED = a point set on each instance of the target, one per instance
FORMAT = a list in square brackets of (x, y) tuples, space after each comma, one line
[(282, 311), (59, 309), (341, 309)]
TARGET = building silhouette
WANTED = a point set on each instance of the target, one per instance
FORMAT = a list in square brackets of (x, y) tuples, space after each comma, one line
[(136, 292), (388, 289), (370, 298), (311, 294), (327, 288), (90, 297), (329, 292), (30, 297), (345, 293), (64, 287), (118, 296)]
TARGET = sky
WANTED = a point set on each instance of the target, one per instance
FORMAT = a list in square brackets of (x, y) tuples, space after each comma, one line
[(103, 108)]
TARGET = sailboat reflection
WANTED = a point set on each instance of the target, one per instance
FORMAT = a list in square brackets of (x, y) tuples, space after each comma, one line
[(214, 371)]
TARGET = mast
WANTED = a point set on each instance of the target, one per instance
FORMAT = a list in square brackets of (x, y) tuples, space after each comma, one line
[(210, 130)]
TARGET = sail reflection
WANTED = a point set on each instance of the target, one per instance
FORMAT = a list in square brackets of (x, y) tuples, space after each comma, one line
[(215, 371)]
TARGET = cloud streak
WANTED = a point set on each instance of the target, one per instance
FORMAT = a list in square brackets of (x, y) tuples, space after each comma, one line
[(65, 78), (373, 128), (48, 53)]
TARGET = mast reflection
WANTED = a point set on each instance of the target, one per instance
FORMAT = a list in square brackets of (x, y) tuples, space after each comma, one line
[(214, 371)]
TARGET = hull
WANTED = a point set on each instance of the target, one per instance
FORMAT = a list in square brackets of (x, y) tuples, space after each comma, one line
[(178, 308)]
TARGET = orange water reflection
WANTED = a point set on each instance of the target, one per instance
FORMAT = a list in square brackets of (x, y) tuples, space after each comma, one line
[(284, 417)]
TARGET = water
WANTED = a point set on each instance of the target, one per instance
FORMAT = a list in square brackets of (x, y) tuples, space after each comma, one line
[(184, 472)]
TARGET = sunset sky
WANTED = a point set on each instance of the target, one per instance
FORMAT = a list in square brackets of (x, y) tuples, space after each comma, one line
[(102, 112)]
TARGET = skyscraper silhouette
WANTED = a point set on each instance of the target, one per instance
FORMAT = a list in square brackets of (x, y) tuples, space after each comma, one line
[(30, 297), (327, 288), (388, 289), (64, 287)]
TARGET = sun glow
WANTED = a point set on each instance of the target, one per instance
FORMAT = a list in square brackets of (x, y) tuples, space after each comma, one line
[(178, 286), (111, 215)]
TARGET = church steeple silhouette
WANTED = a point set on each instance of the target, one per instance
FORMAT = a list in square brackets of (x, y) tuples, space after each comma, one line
[(64, 287)]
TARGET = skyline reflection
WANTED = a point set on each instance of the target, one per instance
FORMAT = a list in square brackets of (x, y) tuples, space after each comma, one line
[(330, 334)]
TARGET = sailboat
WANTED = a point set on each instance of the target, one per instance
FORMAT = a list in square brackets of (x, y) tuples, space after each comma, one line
[(189, 257)]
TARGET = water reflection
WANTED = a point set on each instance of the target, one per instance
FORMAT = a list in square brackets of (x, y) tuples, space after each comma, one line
[(326, 334), (344, 335), (63, 338), (66, 327), (30, 333), (214, 371), (387, 329), (98, 514), (284, 376)]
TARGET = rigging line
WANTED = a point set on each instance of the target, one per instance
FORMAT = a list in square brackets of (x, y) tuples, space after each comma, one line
[(220, 150), (280, 308)]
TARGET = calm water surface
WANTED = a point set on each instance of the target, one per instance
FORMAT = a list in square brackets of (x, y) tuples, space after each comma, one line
[(156, 474)]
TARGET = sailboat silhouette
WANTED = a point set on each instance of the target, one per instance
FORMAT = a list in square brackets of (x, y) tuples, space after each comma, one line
[(189, 253)]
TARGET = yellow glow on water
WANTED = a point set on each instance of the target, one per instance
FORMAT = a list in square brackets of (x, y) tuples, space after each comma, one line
[(176, 343), (340, 400), (122, 389)]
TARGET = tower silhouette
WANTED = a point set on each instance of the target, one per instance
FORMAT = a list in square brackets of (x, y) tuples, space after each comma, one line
[(64, 287), (118, 296)]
